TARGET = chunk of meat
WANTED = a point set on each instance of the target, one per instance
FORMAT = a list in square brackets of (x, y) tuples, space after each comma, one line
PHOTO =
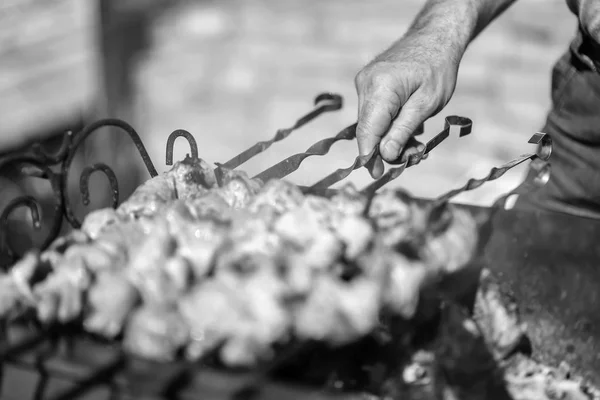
[(155, 333), (16, 295), (96, 221), (110, 301), (339, 312), (405, 282), (498, 318), (356, 233), (452, 249), (157, 284), (248, 252), (317, 247), (245, 317), (62, 243), (396, 217), (60, 295), (149, 198), (210, 205), (277, 196), (349, 201), (192, 177), (197, 239), (238, 189)]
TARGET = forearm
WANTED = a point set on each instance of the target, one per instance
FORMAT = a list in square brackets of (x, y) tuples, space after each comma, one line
[(455, 23)]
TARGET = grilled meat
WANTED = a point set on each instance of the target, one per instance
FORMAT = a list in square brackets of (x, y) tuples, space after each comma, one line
[(96, 221), (498, 317), (155, 333), (147, 272), (338, 312), (240, 266), (188, 178), (149, 198), (245, 317), (277, 197), (15, 286), (238, 189), (197, 238), (191, 177), (110, 301), (453, 248)]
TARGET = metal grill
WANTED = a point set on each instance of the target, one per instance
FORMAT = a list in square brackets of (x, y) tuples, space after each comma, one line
[(66, 352)]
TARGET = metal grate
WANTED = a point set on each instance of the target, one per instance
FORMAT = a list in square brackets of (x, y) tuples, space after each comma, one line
[(68, 353)]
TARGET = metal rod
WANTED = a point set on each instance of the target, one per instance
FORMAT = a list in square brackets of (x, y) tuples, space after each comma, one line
[(85, 178), (324, 102), (171, 143), (544, 151), (465, 126), (34, 206), (292, 163), (79, 139), (102, 375)]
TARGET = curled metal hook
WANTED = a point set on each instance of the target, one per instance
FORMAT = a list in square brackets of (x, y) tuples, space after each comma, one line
[(28, 201), (79, 138), (85, 178), (171, 143), (34, 210)]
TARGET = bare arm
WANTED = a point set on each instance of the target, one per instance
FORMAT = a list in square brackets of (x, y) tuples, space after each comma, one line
[(415, 78)]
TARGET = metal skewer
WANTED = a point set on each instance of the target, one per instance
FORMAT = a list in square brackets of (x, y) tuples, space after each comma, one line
[(465, 125), (292, 163), (324, 102), (543, 152)]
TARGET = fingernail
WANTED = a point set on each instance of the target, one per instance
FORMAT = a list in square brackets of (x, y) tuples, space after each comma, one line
[(392, 149)]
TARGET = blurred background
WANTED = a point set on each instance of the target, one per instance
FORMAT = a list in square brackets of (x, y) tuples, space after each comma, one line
[(234, 71)]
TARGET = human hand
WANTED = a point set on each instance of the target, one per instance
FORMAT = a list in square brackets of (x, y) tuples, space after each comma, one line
[(408, 83)]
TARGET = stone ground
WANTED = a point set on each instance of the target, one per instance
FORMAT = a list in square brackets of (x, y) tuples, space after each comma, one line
[(234, 71)]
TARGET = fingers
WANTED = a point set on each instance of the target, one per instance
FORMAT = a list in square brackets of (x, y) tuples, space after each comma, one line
[(412, 147), (374, 119), (411, 116)]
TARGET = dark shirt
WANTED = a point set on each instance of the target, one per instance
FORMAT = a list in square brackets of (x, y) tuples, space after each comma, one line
[(588, 12)]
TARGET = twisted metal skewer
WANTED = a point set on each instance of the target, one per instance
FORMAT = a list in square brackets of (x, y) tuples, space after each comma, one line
[(292, 163), (465, 126), (324, 102), (342, 173), (543, 152)]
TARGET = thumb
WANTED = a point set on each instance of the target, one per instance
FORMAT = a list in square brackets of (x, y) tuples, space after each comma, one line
[(413, 113)]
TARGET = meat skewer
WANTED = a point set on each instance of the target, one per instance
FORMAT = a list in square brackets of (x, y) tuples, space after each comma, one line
[(241, 266)]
